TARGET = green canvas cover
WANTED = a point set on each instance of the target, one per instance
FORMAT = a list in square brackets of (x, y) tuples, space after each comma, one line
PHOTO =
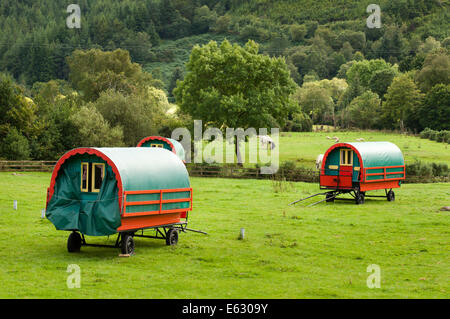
[(91, 213), (98, 214), (377, 154)]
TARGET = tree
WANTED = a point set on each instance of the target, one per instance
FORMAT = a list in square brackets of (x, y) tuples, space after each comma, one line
[(139, 45), (234, 86), (318, 57), (356, 39), (93, 130), (172, 23), (95, 71), (435, 112), (351, 92), (391, 46), (56, 133), (222, 24), (298, 32), (298, 121), (347, 52), (16, 110), (138, 115), (365, 70), (203, 20), (435, 70), (430, 45), (380, 81), (317, 103), (15, 146), (176, 76), (9, 97), (364, 111), (402, 98)]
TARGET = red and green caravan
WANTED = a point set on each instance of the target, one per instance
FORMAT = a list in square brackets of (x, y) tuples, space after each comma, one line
[(104, 191), (164, 142), (356, 168)]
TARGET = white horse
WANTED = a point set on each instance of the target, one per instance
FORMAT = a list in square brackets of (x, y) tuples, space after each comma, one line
[(319, 160), (266, 140)]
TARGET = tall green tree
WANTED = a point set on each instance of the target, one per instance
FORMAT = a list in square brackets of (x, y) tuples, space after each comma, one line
[(95, 71), (381, 79), (364, 70), (317, 103), (234, 86), (176, 76), (435, 112), (435, 70), (94, 130), (402, 99), (15, 146), (364, 111), (138, 115)]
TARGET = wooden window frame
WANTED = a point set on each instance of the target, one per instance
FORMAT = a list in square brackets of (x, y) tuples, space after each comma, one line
[(84, 190), (349, 152), (96, 190)]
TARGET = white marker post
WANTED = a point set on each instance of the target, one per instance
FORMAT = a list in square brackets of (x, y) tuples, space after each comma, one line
[(15, 205), (242, 234), (43, 213)]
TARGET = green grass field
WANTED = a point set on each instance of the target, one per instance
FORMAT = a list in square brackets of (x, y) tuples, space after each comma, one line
[(289, 252), (303, 148)]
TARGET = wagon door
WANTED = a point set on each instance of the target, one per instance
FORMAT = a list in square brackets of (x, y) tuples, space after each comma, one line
[(346, 168)]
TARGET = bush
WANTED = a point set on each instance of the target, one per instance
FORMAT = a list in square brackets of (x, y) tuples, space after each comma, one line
[(440, 169), (300, 123), (438, 136), (443, 136), (419, 168), (15, 146), (426, 133)]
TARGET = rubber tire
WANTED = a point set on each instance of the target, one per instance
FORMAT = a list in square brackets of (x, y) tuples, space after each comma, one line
[(359, 198), (127, 246), (172, 237), (328, 199), (390, 196), (74, 242)]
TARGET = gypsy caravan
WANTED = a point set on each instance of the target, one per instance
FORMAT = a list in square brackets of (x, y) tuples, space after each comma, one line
[(361, 167), (103, 191), (356, 168)]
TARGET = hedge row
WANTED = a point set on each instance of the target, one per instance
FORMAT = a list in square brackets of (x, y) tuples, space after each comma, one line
[(438, 136)]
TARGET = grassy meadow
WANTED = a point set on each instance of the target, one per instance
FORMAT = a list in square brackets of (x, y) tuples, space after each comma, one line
[(288, 251), (303, 148)]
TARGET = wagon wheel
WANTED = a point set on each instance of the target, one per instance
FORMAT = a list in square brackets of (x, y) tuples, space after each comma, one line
[(390, 196), (172, 237), (127, 244), (329, 197), (359, 198), (74, 242)]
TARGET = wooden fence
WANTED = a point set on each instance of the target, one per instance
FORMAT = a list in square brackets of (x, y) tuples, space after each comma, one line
[(225, 171), (304, 175), (27, 166)]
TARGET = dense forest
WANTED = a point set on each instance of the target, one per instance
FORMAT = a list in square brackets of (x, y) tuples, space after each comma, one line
[(112, 80)]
